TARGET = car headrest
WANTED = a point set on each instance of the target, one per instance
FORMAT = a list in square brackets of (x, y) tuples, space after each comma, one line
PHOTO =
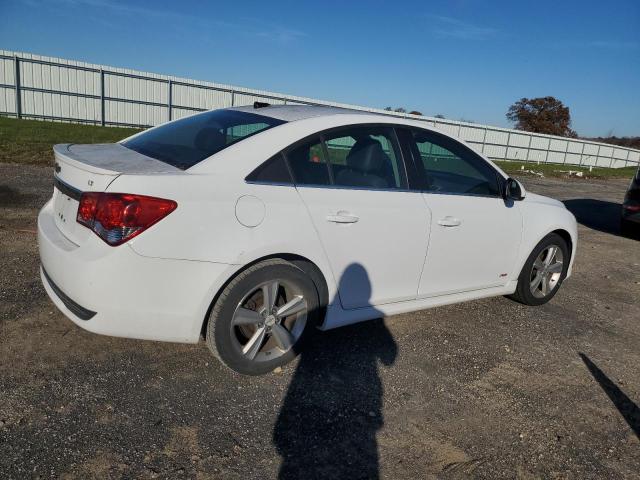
[(209, 139), (367, 156)]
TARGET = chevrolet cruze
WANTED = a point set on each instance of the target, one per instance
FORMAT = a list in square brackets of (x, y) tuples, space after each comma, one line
[(255, 225)]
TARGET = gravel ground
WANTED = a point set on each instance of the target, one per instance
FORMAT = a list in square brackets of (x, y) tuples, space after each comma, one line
[(485, 389)]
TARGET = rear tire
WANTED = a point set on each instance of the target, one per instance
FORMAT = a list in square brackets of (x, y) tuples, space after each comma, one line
[(543, 272), (263, 317), (629, 229)]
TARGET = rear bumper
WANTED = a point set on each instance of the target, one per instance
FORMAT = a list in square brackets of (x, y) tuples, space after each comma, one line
[(75, 308), (115, 291)]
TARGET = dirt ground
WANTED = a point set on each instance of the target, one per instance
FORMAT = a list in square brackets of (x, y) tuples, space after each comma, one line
[(486, 389)]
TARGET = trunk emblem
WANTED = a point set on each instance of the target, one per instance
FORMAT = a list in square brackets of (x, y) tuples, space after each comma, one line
[(90, 183), (58, 167)]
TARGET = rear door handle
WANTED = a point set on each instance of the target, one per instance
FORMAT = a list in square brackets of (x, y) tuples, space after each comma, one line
[(342, 217), (449, 222)]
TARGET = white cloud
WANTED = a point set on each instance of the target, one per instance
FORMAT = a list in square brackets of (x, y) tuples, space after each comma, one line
[(449, 27), (247, 27), (612, 44)]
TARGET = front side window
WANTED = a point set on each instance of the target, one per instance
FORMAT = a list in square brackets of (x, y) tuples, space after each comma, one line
[(188, 141), (365, 157), (449, 167)]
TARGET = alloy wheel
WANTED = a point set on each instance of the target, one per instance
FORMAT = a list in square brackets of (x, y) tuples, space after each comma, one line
[(546, 271), (269, 320)]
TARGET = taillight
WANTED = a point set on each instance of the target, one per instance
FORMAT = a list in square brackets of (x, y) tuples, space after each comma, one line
[(632, 207), (118, 217)]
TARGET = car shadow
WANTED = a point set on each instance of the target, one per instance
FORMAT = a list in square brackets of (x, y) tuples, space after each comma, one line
[(627, 408), (10, 197), (598, 215), (327, 425)]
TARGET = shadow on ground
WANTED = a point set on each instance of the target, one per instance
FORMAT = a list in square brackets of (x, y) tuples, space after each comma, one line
[(332, 411), (10, 197), (599, 215), (627, 408)]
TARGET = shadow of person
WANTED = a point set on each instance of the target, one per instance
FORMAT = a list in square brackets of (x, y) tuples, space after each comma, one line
[(328, 421)]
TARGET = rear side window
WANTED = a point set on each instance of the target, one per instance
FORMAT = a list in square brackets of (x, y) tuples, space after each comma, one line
[(365, 157), (308, 163), (188, 141), (450, 167)]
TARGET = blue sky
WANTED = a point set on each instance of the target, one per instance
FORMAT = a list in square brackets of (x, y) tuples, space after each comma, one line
[(465, 59)]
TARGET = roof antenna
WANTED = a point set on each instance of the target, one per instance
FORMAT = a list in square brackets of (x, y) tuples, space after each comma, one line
[(261, 104)]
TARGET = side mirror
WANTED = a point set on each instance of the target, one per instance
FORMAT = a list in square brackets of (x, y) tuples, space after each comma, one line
[(513, 190)]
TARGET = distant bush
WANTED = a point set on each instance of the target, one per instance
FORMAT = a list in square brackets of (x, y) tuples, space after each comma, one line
[(629, 142)]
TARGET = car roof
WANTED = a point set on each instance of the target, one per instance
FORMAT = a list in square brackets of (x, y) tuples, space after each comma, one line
[(300, 122), (292, 113)]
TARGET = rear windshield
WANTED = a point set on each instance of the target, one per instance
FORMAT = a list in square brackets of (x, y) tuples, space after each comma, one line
[(185, 142)]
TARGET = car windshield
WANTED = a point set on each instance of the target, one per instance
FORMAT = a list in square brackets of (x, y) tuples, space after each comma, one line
[(185, 142)]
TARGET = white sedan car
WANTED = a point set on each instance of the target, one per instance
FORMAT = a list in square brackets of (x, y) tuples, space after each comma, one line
[(255, 225)]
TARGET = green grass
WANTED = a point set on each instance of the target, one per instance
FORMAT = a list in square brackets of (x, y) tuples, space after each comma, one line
[(31, 141), (557, 170)]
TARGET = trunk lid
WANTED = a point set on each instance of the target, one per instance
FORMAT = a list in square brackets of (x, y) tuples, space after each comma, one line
[(92, 168)]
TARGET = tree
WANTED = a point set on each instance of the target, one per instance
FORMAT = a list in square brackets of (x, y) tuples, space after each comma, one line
[(541, 115), (402, 110)]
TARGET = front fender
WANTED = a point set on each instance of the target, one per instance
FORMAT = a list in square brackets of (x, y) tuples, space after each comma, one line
[(538, 221)]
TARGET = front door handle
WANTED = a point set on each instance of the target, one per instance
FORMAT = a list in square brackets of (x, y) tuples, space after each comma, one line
[(342, 217), (449, 222)]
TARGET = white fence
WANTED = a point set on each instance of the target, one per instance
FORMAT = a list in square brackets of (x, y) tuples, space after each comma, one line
[(32, 86)]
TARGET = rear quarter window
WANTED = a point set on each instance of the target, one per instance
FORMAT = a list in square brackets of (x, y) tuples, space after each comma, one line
[(274, 170)]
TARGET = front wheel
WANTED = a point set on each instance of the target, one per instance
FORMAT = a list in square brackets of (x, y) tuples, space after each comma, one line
[(262, 317), (543, 272)]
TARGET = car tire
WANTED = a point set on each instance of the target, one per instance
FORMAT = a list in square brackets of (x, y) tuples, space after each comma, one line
[(541, 275), (629, 229), (249, 337)]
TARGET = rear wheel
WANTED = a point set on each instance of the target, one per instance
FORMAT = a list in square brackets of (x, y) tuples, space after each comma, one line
[(543, 272), (262, 318), (629, 229)]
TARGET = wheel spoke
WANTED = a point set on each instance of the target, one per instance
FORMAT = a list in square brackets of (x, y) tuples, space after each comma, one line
[(244, 316), (295, 305), (282, 337), (555, 267), (535, 283), (550, 255), (545, 284), (252, 347), (270, 294), (538, 264)]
